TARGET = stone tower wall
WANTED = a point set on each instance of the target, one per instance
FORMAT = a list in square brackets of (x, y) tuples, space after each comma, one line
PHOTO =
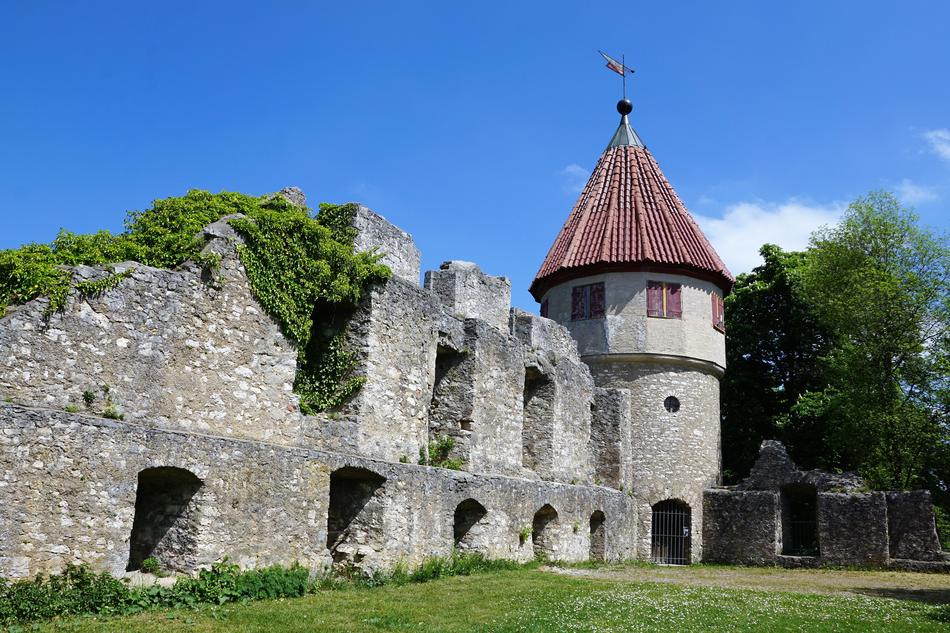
[(672, 455)]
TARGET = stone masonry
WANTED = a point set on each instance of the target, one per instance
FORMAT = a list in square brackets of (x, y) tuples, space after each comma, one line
[(158, 419)]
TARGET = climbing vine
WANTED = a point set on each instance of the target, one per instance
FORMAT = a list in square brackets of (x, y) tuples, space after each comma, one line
[(301, 268)]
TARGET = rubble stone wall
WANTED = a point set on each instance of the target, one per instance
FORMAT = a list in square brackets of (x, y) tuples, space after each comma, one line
[(171, 349), (75, 478)]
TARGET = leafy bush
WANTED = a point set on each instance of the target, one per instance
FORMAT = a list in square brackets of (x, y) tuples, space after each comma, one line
[(437, 454), (75, 591), (150, 566), (294, 263), (79, 591)]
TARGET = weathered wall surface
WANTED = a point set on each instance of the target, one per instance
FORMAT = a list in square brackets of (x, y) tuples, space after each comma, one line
[(674, 455), (166, 348), (478, 398), (741, 527), (911, 529), (562, 421), (628, 330), (852, 528), (393, 336), (75, 481), (468, 293), (395, 245), (611, 438)]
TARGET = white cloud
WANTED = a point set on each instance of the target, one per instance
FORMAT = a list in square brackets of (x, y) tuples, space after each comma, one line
[(574, 177), (911, 193), (939, 141), (746, 226)]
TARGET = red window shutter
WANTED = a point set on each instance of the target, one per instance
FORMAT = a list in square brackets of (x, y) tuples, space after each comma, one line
[(579, 303), (597, 301), (674, 302), (544, 308), (654, 298)]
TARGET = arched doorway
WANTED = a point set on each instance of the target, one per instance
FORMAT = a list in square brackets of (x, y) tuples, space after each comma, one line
[(799, 520), (355, 514), (468, 528), (671, 533), (598, 537), (166, 520), (544, 531)]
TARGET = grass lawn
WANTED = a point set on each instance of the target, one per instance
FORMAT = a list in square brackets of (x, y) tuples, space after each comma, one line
[(537, 600)]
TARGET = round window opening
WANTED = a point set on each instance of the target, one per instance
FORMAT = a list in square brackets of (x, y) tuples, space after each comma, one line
[(672, 404)]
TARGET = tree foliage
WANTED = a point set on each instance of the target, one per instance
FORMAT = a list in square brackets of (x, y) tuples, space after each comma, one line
[(842, 351), (774, 345)]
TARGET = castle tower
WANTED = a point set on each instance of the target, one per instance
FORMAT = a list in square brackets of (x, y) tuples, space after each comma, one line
[(634, 279)]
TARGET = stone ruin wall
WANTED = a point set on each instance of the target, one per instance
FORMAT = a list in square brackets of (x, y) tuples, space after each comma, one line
[(746, 524), (203, 378)]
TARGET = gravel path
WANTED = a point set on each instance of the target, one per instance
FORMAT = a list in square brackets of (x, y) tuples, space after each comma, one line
[(933, 588)]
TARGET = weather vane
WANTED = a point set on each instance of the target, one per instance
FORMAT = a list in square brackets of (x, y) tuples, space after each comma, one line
[(618, 67)]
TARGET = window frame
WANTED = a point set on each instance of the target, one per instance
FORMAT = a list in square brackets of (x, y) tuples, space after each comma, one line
[(665, 302), (588, 312), (718, 313)]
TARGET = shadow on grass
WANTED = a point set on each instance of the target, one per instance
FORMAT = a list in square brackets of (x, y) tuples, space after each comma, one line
[(929, 596)]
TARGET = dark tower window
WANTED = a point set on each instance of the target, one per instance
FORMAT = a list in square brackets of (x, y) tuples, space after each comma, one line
[(672, 404), (587, 302), (664, 300), (544, 308)]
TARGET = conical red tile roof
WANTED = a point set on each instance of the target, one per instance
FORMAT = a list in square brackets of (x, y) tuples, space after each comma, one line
[(629, 218)]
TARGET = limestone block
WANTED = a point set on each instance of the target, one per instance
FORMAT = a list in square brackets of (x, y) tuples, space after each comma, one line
[(911, 529), (852, 528), (467, 292), (741, 527), (398, 248), (610, 437)]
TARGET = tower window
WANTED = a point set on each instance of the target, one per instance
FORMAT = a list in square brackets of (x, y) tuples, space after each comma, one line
[(672, 404), (664, 300), (587, 302), (544, 308), (718, 313)]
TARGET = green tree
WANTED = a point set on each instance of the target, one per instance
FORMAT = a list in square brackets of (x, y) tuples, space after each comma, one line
[(774, 345), (879, 283)]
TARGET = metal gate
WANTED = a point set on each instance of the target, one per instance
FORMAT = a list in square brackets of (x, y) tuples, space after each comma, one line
[(671, 533)]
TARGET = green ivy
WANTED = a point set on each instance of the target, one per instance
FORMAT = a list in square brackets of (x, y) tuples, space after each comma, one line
[(295, 262), (95, 287), (437, 454)]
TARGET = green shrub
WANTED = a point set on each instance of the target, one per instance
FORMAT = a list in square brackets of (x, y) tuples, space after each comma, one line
[(75, 591), (150, 566), (88, 397), (112, 413), (437, 454)]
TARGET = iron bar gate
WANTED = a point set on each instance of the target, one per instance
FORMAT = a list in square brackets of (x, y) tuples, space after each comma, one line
[(671, 533)]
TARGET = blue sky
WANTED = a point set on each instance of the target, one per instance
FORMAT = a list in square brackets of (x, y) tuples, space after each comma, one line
[(473, 125)]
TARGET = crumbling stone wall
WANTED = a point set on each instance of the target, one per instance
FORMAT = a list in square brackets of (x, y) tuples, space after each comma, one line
[(746, 524), (611, 438), (468, 293), (166, 348), (260, 503), (674, 455), (911, 529)]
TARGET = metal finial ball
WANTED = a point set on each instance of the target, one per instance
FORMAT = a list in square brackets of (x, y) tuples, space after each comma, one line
[(624, 107)]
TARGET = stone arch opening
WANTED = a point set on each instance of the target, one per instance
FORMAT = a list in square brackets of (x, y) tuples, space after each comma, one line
[(166, 522), (536, 449), (598, 537), (799, 520), (469, 526), (355, 515), (671, 532), (544, 531)]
